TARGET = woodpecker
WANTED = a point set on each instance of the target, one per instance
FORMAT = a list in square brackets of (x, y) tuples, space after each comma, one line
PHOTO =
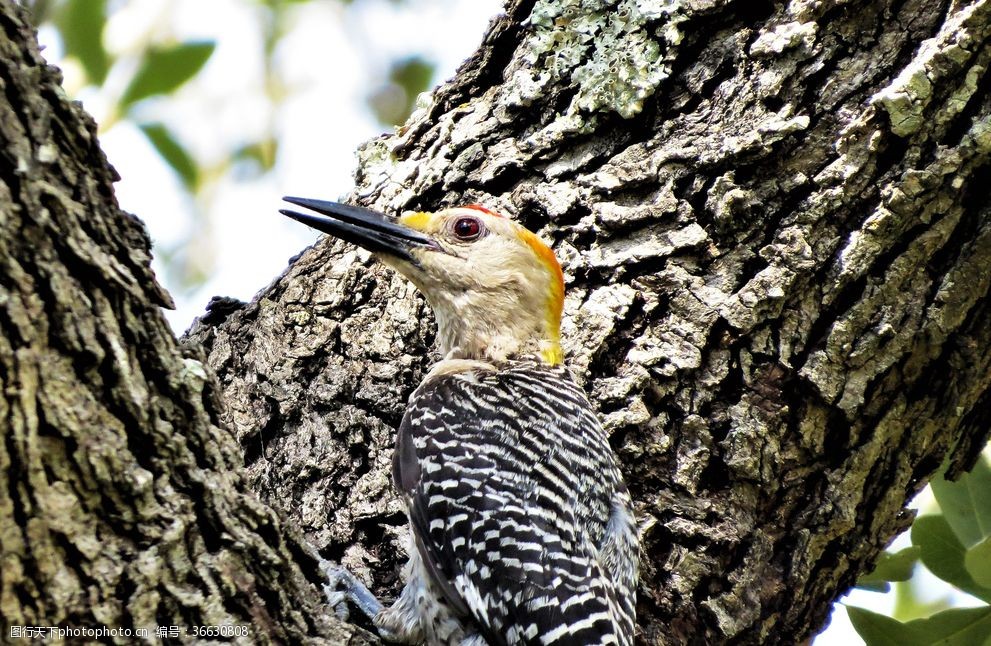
[(522, 528)]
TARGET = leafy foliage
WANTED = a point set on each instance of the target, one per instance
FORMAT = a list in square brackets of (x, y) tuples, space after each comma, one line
[(943, 554), (135, 82), (954, 627), (892, 566), (173, 153), (164, 69), (81, 24), (160, 70), (966, 504), (393, 101), (955, 545)]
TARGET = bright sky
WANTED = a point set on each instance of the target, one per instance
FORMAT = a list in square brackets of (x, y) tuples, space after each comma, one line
[(326, 63)]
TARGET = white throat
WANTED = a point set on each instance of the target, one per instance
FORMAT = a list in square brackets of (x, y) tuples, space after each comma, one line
[(495, 332)]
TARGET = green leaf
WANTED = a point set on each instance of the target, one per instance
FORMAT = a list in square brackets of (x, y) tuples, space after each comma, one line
[(393, 101), (260, 154), (173, 153), (912, 603), (954, 627), (943, 554), (966, 503), (163, 70), (977, 560), (891, 566), (873, 586), (880, 630), (412, 74), (81, 25)]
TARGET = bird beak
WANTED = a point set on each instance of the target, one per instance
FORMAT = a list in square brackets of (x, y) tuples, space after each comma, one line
[(363, 227)]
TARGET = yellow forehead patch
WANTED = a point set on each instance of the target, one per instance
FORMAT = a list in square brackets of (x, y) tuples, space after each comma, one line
[(420, 221)]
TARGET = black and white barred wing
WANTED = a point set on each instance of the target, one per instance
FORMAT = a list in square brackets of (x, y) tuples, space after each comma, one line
[(511, 487)]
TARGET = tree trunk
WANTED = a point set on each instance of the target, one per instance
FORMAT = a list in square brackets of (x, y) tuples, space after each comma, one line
[(776, 232), (122, 504), (775, 228)]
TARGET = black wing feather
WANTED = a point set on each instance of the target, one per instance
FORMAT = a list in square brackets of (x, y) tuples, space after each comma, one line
[(509, 481)]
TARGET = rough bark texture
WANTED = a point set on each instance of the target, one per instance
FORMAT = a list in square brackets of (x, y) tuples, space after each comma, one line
[(122, 500), (776, 230)]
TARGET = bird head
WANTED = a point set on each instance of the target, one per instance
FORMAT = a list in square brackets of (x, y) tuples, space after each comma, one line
[(496, 290)]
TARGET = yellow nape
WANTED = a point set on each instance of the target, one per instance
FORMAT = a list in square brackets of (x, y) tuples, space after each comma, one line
[(555, 295), (552, 354)]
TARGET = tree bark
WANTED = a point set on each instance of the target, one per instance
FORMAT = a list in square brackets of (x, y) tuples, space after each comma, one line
[(775, 229), (122, 504), (774, 222)]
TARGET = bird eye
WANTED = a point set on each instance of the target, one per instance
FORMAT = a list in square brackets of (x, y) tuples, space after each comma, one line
[(467, 228)]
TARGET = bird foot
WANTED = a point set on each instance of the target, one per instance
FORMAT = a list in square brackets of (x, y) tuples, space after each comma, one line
[(343, 586)]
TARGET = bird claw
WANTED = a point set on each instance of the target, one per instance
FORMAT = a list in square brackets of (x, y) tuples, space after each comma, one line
[(342, 586), (338, 600)]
